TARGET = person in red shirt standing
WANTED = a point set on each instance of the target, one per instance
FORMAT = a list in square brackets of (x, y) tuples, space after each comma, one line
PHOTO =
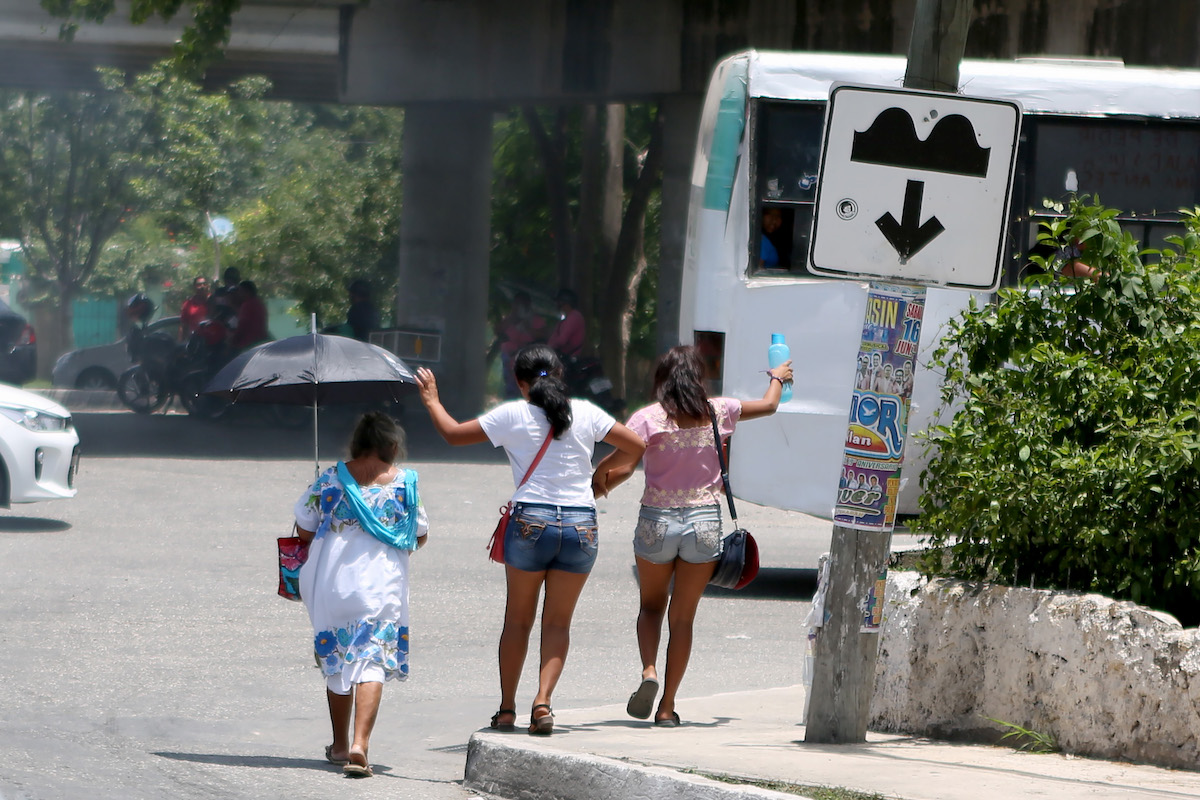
[(571, 332), (194, 309), (251, 317)]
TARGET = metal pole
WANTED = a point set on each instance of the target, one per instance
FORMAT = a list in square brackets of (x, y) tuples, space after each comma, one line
[(316, 438), (845, 651)]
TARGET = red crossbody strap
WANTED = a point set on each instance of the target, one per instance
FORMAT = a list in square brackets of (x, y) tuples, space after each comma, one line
[(537, 458)]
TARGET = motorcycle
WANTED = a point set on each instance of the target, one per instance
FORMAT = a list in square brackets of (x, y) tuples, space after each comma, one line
[(163, 369), (585, 378)]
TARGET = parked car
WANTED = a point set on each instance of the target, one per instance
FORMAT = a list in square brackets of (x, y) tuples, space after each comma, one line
[(18, 347), (99, 367), (39, 448)]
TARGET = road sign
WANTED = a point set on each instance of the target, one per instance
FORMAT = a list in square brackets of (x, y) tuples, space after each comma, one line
[(914, 186)]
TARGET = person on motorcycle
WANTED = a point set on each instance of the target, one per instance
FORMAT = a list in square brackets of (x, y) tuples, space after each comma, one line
[(194, 309), (210, 343), (251, 328), (139, 309), (518, 328), (570, 334)]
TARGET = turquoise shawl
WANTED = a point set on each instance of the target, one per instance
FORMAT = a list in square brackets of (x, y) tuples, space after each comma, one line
[(404, 534)]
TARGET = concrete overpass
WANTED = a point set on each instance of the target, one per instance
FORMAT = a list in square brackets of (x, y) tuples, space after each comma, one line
[(451, 63)]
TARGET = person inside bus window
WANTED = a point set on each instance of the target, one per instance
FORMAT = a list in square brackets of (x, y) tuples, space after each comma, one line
[(769, 250)]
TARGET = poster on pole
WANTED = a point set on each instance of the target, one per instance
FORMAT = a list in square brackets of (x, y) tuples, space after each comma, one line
[(869, 484)]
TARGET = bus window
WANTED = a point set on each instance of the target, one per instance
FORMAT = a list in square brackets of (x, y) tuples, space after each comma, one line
[(786, 154), (1144, 168)]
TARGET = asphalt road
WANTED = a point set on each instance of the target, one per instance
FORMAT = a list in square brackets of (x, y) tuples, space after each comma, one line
[(146, 654)]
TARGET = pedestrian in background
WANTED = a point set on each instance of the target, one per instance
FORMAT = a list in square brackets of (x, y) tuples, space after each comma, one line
[(677, 541), (194, 309), (362, 317), (363, 517), (552, 538)]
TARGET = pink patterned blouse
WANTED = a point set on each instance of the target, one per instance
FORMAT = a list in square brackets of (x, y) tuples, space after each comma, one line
[(681, 464)]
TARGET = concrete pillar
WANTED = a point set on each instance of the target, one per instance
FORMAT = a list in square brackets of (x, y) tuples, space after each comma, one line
[(445, 226), (681, 119)]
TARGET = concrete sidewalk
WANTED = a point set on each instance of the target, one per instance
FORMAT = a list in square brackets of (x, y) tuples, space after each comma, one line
[(602, 753)]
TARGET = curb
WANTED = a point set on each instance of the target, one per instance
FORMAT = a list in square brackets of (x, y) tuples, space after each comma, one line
[(518, 769)]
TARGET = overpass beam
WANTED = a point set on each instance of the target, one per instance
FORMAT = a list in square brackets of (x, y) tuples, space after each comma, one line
[(445, 227)]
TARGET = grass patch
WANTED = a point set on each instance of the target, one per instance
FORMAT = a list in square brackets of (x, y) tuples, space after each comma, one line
[(811, 792)]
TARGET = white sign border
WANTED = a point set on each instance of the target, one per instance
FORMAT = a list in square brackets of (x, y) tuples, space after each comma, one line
[(827, 272)]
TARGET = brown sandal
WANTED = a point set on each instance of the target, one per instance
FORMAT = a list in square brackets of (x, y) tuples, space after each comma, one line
[(504, 727), (353, 770), (543, 725)]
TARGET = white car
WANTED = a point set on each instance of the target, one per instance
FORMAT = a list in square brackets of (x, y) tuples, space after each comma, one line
[(99, 367), (39, 448)]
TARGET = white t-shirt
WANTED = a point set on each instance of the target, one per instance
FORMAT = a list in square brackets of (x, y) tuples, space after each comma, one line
[(564, 475)]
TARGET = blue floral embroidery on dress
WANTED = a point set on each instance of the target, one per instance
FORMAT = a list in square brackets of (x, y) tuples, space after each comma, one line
[(329, 498), (325, 643), (382, 643)]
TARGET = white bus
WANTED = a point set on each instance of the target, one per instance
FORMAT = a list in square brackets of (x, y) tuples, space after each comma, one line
[(1130, 136)]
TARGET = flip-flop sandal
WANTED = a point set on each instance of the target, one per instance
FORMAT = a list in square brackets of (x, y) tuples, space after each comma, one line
[(641, 702), (543, 725), (352, 770), (341, 762), (668, 722), (504, 727)]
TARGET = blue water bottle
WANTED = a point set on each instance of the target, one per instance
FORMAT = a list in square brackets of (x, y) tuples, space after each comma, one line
[(778, 353)]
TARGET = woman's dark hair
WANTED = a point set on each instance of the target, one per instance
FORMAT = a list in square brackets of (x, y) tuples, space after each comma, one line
[(378, 433), (679, 384), (538, 365)]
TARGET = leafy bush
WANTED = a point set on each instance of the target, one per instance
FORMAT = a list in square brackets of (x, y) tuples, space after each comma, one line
[(1072, 456)]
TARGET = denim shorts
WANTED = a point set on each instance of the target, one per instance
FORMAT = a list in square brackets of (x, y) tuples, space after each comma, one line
[(691, 534), (541, 537)]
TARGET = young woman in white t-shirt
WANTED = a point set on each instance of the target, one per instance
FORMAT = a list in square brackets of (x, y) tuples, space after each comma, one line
[(551, 538), (678, 534)]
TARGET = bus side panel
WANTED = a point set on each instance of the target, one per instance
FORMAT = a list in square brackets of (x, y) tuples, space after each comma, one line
[(792, 459)]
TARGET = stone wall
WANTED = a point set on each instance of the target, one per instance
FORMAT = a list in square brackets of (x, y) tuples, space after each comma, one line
[(1105, 678)]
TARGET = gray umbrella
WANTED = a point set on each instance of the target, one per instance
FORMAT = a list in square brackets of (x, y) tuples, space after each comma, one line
[(312, 370)]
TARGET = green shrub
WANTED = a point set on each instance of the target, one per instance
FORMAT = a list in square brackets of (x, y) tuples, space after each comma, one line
[(1069, 454)]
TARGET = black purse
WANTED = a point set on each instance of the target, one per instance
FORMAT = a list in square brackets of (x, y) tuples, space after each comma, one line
[(738, 564)]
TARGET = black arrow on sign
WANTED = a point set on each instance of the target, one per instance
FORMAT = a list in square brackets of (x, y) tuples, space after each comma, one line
[(908, 236)]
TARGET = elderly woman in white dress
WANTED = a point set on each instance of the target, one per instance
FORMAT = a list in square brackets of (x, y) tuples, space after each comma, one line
[(363, 518)]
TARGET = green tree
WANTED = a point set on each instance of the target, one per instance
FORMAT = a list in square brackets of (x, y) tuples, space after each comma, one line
[(581, 221), (202, 42), (79, 168), (1071, 456), (328, 212), (73, 168)]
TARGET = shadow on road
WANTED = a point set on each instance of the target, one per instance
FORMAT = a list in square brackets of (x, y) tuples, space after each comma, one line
[(774, 583), (268, 762), (32, 525), (247, 433)]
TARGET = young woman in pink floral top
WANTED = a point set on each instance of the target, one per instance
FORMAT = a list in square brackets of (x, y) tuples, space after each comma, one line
[(678, 534)]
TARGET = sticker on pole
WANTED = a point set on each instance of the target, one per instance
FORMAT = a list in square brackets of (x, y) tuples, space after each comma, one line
[(869, 485), (914, 187)]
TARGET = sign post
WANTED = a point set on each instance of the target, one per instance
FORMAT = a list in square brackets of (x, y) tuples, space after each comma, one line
[(914, 190)]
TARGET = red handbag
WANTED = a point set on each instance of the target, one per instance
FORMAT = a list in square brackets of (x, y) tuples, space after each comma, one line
[(293, 552), (495, 545)]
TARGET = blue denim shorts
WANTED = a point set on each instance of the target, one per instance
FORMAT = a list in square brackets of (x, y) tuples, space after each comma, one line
[(690, 534), (541, 537)]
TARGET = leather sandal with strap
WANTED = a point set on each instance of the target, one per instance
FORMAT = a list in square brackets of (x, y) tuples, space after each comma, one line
[(543, 725), (504, 727)]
